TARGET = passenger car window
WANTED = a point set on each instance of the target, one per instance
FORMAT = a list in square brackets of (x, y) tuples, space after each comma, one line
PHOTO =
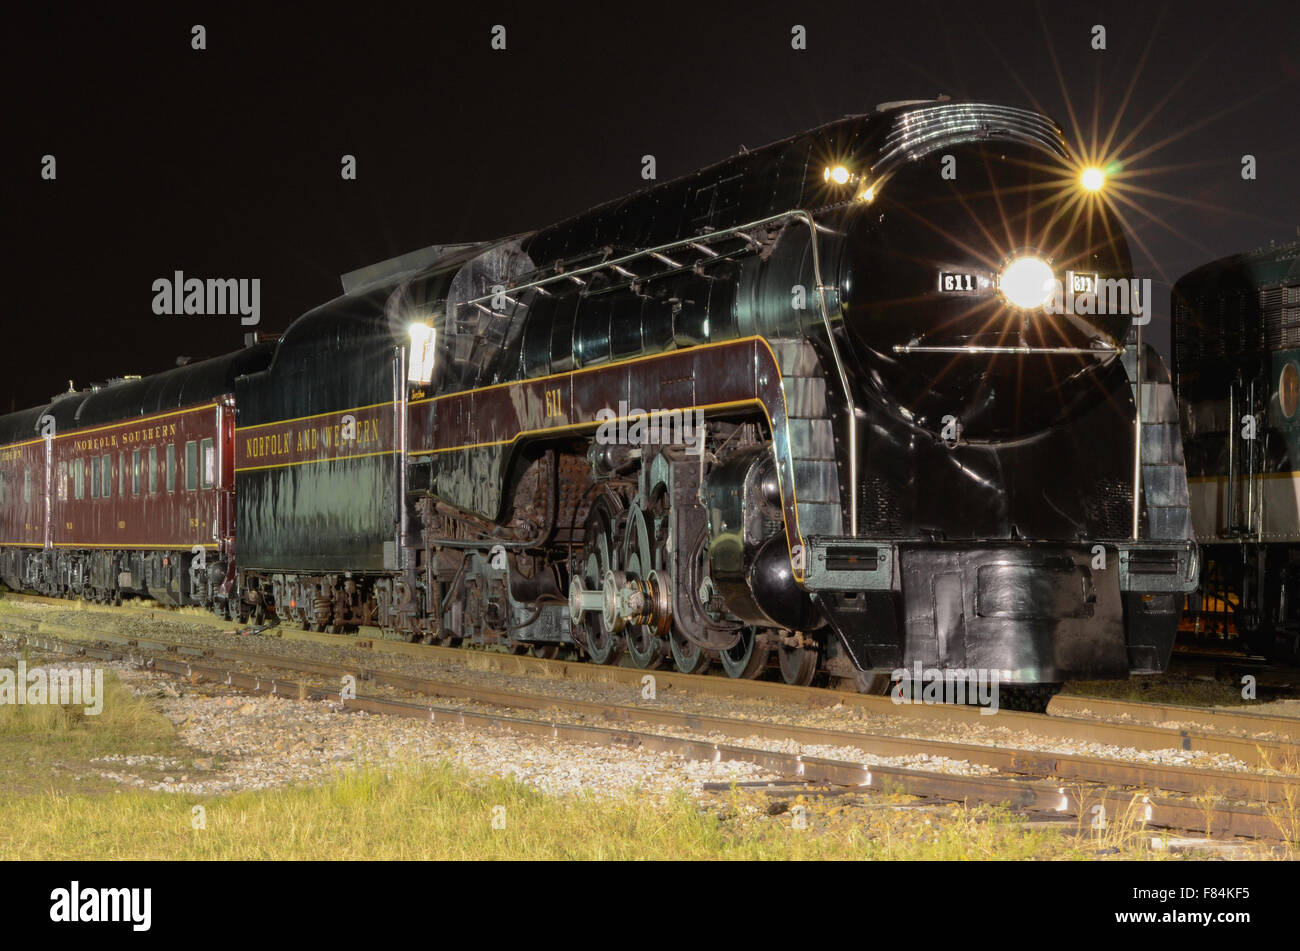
[(209, 456)]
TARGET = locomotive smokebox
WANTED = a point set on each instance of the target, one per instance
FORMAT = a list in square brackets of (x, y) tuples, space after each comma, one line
[(929, 279)]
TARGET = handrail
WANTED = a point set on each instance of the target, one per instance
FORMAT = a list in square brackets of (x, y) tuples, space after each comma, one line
[(1137, 438), (975, 349), (694, 241)]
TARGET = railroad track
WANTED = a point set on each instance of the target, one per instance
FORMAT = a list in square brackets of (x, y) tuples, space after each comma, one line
[(1251, 723), (1272, 741), (1027, 780)]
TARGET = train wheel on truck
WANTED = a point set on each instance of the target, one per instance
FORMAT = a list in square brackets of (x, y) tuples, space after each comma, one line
[(602, 644), (748, 657), (645, 648), (798, 664)]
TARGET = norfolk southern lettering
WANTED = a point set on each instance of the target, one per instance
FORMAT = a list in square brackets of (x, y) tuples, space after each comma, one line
[(103, 904), (196, 297)]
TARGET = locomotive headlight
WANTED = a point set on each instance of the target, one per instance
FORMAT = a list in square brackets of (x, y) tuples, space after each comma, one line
[(1027, 282), (837, 174), (1092, 179)]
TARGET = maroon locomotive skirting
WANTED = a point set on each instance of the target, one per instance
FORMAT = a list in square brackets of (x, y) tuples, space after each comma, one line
[(714, 378)]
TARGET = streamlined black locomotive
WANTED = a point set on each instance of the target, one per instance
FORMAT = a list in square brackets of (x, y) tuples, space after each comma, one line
[(807, 403)]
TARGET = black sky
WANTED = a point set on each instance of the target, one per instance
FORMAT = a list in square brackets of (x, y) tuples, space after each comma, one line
[(225, 163)]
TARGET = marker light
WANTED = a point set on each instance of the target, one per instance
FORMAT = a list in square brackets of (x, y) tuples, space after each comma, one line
[(1092, 179), (1027, 282)]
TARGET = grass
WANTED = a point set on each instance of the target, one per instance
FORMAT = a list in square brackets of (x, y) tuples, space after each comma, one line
[(55, 803), (1163, 688), (125, 721), (49, 748), (24, 610), (441, 812)]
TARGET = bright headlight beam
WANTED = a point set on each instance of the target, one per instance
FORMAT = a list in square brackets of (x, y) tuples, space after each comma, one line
[(837, 174), (423, 351), (1092, 179), (1027, 282)]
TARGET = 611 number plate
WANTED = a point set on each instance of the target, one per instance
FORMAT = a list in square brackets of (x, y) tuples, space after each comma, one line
[(957, 282)]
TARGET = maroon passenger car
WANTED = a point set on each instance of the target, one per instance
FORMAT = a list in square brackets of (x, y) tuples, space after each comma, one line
[(127, 488)]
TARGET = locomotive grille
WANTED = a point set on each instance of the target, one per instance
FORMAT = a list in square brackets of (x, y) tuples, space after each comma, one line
[(917, 132), (1281, 324), (1110, 508), (1290, 328), (878, 507)]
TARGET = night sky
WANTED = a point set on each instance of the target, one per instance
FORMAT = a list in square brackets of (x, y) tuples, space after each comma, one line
[(226, 162)]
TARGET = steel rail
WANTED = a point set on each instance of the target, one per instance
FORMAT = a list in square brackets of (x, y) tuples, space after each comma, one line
[(1144, 712)]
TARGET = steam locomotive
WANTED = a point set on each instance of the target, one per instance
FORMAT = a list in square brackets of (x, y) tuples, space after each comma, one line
[(806, 408), (1236, 334)]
